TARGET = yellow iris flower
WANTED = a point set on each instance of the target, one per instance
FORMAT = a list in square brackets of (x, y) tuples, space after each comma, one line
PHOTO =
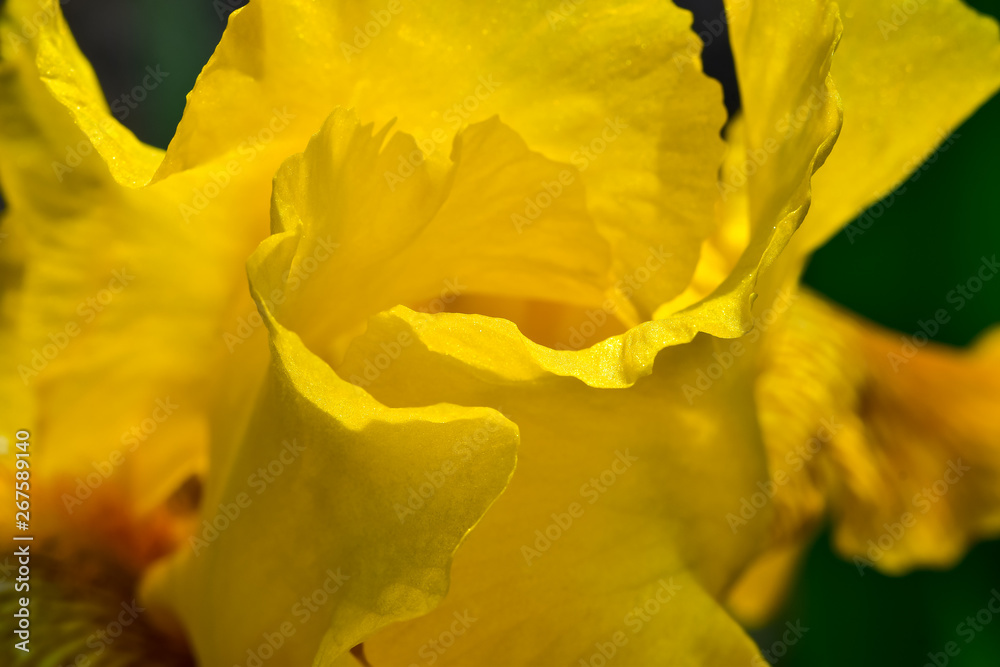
[(522, 373)]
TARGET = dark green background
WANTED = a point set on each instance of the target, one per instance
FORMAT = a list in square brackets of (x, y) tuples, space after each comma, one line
[(896, 273)]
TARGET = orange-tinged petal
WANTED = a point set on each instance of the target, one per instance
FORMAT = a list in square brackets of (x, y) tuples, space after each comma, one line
[(889, 433)]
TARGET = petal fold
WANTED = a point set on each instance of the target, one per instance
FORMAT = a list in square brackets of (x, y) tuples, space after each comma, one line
[(615, 89), (346, 510), (116, 301), (612, 529), (431, 235)]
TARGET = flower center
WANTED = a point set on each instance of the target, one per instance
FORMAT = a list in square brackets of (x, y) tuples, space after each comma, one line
[(83, 583)]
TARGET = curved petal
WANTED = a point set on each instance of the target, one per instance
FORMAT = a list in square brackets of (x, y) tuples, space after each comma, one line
[(114, 307), (782, 53), (476, 360), (614, 89), (316, 499), (432, 234), (880, 71), (612, 532), (721, 252), (764, 586), (71, 81)]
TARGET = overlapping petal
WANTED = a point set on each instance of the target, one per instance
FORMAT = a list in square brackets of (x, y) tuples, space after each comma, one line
[(614, 88), (432, 235), (612, 121), (313, 498), (563, 403), (790, 119), (894, 117), (601, 516), (109, 337)]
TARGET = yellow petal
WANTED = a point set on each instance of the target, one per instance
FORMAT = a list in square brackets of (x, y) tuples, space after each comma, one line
[(782, 53), (72, 82), (313, 502), (485, 361), (941, 46), (909, 74), (764, 586), (618, 498), (614, 89), (720, 253), (896, 434), (115, 303), (431, 235)]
